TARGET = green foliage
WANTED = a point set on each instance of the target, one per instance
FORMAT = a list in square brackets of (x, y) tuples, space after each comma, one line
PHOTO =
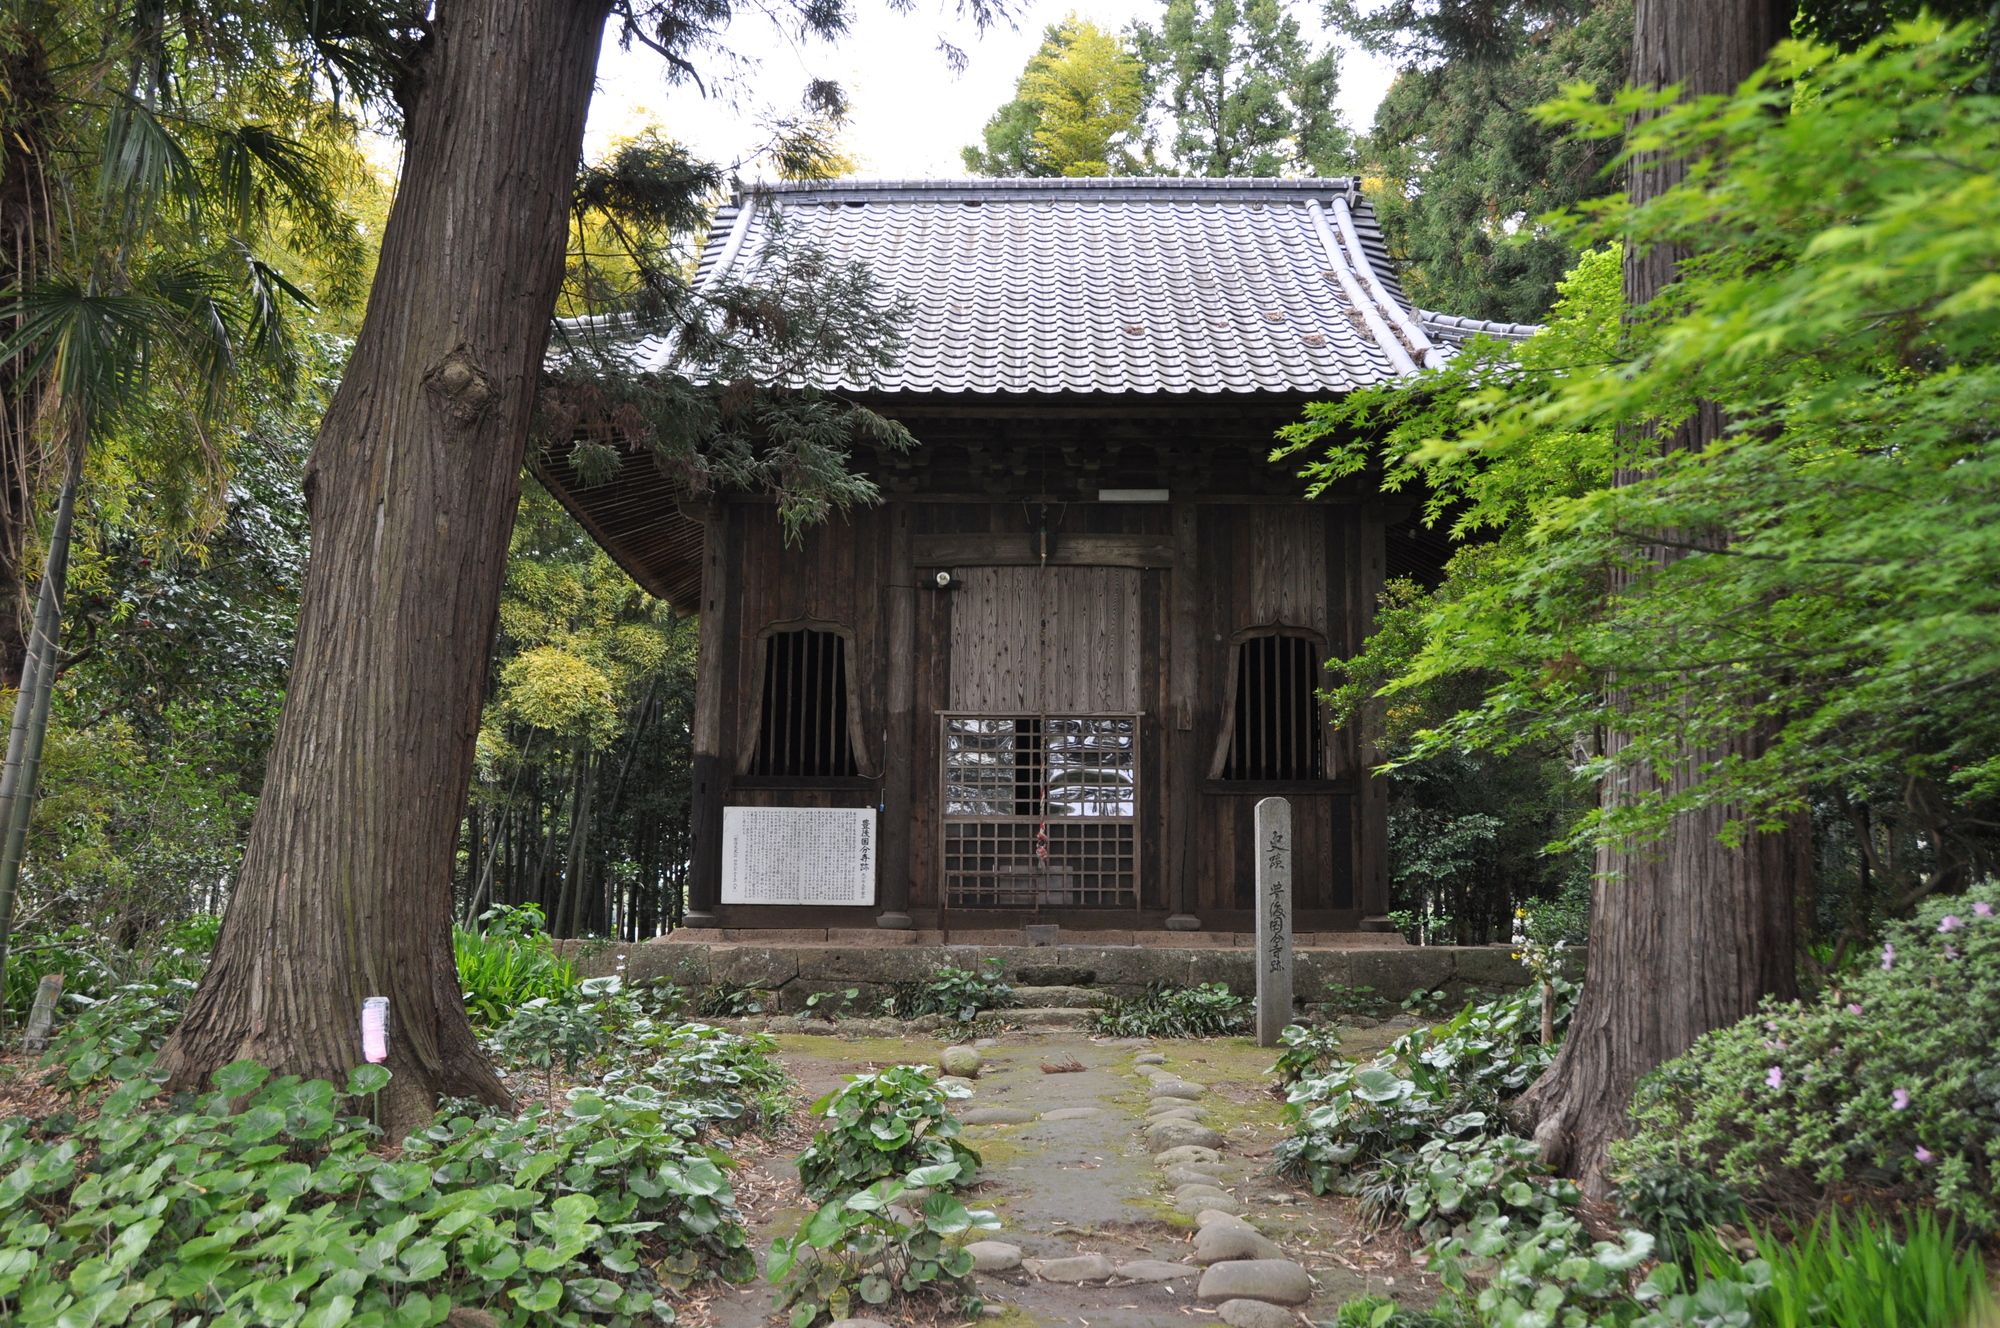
[(866, 1247), (508, 964), (1461, 173), (1550, 1273), (1888, 1077), (1856, 1274), (149, 1213), (1452, 1181), (1205, 1010), (1831, 583), (116, 1036), (1248, 95), (1344, 1000), (583, 766), (1308, 1051), (1364, 1129), (828, 1005), (736, 1081), (881, 1126), (956, 992), (726, 1000), (1078, 110), (1676, 1204)]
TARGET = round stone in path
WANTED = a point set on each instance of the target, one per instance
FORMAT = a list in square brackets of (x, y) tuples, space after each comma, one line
[(998, 1116), (864, 1323), (1078, 1268), (1216, 1243), (1278, 1281), (1181, 1111), (1203, 1201), (1149, 1058), (1072, 1113), (1154, 1270), (960, 1060), (1185, 1153), (1179, 1176), (1196, 1188), (993, 1256), (1159, 1106), (1176, 1088), (1215, 1217), (1257, 1314), (1162, 1135), (958, 1079)]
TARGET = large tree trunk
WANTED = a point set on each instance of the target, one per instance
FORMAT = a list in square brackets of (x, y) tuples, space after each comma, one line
[(345, 890), (27, 232), (1686, 934)]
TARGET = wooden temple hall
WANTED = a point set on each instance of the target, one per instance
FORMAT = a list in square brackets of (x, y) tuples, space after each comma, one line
[(1048, 678)]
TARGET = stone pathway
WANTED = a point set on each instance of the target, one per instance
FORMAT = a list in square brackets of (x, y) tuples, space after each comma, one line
[(1132, 1192)]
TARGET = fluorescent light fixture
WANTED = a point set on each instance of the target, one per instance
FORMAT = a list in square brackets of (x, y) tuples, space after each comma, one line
[(1132, 495)]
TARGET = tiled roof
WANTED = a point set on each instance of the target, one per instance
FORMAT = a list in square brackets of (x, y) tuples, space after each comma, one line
[(1107, 286), (1456, 331)]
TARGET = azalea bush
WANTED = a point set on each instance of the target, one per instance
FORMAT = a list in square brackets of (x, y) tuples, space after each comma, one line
[(882, 1126), (1889, 1077)]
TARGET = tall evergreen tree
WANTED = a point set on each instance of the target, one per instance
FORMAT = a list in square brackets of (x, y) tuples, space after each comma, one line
[(1464, 171), (1246, 93), (1078, 110)]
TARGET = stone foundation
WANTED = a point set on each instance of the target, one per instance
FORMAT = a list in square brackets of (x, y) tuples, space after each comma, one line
[(794, 971)]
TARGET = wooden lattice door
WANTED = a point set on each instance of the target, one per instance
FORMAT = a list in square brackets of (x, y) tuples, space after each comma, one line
[(1040, 759)]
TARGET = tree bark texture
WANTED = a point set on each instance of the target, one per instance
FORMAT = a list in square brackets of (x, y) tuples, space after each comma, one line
[(27, 236), (1686, 934), (345, 890)]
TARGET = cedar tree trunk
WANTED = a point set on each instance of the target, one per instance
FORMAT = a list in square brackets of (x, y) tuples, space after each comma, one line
[(345, 890), (1686, 933), (27, 101)]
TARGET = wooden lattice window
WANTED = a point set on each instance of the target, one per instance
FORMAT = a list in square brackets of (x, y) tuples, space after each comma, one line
[(804, 729), (1276, 731)]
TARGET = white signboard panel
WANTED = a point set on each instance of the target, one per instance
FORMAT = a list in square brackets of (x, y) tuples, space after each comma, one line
[(798, 855)]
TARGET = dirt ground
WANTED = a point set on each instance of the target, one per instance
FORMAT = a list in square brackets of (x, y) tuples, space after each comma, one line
[(1087, 1183)]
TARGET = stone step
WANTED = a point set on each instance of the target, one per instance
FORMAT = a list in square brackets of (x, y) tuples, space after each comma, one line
[(1058, 998)]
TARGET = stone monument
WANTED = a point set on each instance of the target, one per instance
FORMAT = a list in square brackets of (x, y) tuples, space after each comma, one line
[(1274, 919)]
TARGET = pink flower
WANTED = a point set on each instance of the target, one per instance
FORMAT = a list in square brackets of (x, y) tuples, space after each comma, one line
[(1853, 1009), (1952, 922), (1982, 909), (1923, 1154), (1771, 1025), (1900, 1100), (1888, 957), (1775, 1079), (1949, 953)]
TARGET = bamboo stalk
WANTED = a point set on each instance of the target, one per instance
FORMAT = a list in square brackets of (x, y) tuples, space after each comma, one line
[(31, 712)]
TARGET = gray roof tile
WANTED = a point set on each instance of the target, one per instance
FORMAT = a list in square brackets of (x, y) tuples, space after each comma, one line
[(1124, 285)]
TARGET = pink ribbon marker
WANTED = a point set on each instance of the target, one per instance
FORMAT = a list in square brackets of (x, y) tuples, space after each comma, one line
[(375, 1029)]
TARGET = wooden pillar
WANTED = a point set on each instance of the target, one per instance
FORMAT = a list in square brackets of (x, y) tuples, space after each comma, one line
[(712, 660), (897, 758), (1371, 878), (1183, 704)]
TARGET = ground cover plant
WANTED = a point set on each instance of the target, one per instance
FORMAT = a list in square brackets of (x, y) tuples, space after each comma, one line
[(893, 1238), (263, 1202), (1205, 1010), (959, 994), (883, 1126)]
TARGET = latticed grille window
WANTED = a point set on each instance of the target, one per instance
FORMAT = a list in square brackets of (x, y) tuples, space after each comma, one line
[(1277, 731), (804, 728)]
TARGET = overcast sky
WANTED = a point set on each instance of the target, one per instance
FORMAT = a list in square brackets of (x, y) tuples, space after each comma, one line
[(911, 113)]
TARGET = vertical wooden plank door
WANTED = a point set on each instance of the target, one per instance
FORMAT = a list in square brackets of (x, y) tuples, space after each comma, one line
[(1041, 742)]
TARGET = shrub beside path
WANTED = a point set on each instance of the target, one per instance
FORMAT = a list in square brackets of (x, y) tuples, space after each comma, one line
[(1133, 1191)]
